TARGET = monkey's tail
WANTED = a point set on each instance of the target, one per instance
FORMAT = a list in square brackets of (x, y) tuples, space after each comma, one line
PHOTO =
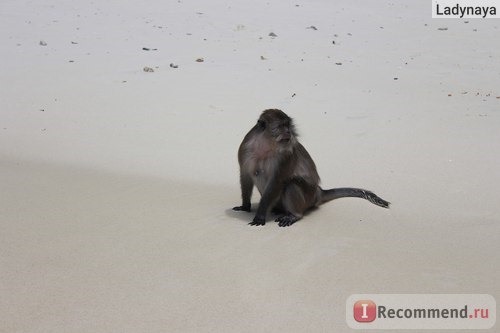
[(344, 192)]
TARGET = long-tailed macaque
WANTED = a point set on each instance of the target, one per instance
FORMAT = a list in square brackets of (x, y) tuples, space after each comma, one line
[(272, 159)]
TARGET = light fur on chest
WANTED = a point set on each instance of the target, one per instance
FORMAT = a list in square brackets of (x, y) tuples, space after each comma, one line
[(261, 162)]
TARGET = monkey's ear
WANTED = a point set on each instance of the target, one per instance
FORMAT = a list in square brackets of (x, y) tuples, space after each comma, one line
[(261, 123)]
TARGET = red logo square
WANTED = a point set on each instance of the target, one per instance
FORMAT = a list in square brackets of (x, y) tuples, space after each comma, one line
[(365, 311)]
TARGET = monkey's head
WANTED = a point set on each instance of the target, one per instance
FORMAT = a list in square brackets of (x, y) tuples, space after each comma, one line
[(278, 126)]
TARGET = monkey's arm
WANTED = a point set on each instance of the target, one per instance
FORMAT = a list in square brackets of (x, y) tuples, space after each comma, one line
[(246, 192), (269, 197)]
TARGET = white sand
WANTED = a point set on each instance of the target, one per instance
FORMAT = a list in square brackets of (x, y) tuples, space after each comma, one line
[(116, 184)]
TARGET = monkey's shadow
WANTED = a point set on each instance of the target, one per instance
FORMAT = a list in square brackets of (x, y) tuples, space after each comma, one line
[(247, 217)]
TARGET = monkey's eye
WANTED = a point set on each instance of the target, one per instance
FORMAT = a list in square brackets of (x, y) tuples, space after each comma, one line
[(261, 123)]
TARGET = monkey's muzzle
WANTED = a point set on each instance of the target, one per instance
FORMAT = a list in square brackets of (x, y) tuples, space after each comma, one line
[(285, 138)]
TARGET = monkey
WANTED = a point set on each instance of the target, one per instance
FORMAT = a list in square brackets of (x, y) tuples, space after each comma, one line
[(272, 159)]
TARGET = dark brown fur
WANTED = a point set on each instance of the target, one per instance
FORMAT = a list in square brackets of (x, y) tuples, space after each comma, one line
[(272, 159)]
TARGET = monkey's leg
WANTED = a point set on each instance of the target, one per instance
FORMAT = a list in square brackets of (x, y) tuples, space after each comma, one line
[(246, 192), (268, 199), (298, 196)]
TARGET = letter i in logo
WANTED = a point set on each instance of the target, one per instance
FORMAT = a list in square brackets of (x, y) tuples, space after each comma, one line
[(365, 311)]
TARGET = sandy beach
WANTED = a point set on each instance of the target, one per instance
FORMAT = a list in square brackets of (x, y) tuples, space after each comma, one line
[(119, 129)]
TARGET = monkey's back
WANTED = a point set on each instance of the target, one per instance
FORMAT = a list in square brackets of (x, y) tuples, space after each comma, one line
[(304, 166)]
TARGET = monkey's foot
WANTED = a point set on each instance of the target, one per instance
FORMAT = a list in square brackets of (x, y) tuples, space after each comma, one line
[(242, 208), (287, 220), (258, 220)]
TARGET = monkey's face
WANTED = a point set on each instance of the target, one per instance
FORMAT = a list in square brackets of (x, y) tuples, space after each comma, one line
[(278, 126)]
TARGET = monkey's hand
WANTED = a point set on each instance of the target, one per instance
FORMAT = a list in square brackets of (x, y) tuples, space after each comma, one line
[(258, 220), (245, 208)]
